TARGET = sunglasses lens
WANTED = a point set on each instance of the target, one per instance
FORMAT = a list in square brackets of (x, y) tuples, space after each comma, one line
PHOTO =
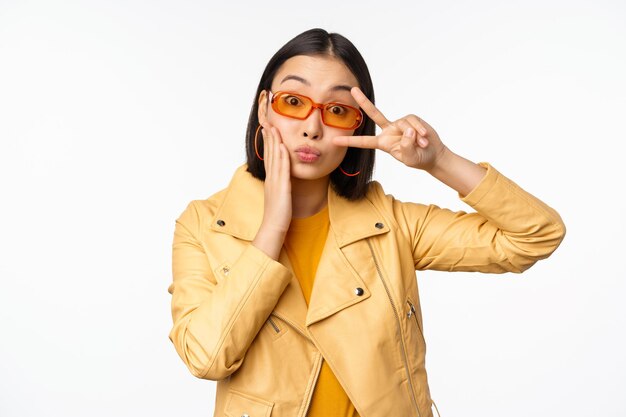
[(292, 105), (299, 107), (341, 116)]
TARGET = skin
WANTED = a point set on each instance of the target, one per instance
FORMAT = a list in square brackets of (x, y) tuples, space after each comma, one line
[(298, 189)]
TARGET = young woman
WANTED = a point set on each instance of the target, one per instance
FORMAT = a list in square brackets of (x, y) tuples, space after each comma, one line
[(295, 286)]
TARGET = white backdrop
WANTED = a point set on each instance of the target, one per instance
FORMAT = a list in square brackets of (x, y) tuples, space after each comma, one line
[(115, 114)]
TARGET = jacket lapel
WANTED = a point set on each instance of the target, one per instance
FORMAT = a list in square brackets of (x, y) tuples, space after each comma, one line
[(336, 281)]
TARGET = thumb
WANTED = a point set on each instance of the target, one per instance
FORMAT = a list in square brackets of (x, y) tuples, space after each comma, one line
[(408, 139)]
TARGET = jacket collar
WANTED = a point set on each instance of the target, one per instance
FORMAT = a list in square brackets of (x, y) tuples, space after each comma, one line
[(241, 212)]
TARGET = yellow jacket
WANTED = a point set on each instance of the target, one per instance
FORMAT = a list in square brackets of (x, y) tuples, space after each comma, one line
[(240, 317)]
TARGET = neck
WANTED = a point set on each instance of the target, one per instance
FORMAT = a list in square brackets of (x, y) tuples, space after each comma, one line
[(308, 196)]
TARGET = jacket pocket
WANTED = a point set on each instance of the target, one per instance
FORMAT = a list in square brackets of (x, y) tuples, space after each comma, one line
[(411, 314), (239, 404), (274, 328)]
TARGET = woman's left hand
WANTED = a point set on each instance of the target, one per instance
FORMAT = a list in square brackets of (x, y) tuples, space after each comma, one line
[(409, 139)]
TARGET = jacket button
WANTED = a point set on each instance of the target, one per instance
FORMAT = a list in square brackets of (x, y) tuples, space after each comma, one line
[(379, 225), (358, 291), (221, 222)]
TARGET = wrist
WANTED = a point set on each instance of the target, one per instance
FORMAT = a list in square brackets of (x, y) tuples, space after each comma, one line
[(269, 240), (457, 172), (441, 163), (270, 228)]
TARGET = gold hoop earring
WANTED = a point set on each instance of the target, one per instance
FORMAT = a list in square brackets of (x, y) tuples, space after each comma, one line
[(349, 175), (256, 150)]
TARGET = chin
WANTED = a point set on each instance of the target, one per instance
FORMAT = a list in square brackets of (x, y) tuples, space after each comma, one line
[(309, 172)]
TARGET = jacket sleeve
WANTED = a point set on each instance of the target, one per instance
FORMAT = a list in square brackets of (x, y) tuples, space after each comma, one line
[(215, 321), (509, 232)]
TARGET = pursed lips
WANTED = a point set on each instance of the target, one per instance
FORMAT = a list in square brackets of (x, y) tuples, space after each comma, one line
[(308, 150), (307, 154)]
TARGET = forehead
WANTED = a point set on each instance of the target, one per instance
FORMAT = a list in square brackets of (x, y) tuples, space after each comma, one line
[(321, 73)]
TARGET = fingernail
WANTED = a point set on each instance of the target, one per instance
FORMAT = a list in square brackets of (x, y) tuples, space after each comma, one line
[(423, 131), (423, 142), (410, 132)]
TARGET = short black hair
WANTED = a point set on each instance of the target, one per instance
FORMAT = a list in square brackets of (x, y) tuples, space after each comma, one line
[(316, 42)]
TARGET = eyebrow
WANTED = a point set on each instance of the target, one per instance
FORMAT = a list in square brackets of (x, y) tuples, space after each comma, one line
[(340, 87)]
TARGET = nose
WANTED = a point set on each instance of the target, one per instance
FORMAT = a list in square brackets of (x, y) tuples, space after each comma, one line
[(313, 125)]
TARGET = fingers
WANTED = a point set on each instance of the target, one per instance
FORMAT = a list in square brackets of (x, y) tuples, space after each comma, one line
[(276, 157), (407, 142), (277, 185), (267, 147), (368, 107), (410, 134), (271, 149), (285, 164), (367, 142), (266, 152), (377, 116), (418, 124)]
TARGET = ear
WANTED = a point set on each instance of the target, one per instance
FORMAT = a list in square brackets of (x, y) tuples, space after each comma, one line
[(262, 111)]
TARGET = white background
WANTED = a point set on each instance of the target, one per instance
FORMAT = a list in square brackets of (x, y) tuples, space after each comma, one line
[(115, 114)]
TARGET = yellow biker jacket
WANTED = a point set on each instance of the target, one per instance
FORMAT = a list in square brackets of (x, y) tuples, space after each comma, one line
[(240, 317)]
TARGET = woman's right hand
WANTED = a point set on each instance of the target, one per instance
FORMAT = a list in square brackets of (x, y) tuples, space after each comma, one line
[(277, 206)]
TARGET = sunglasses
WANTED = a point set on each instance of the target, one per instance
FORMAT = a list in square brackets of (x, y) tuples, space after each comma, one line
[(300, 107)]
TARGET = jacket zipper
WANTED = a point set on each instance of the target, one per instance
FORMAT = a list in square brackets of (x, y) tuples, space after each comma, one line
[(395, 311), (411, 313), (273, 325), (293, 326)]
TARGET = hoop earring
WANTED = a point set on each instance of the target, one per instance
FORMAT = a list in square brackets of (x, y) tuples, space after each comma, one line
[(256, 150), (349, 175)]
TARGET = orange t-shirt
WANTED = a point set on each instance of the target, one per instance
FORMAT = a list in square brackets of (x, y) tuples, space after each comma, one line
[(304, 243)]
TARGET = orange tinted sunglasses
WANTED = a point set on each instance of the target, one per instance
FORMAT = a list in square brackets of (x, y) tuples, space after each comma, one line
[(300, 107)]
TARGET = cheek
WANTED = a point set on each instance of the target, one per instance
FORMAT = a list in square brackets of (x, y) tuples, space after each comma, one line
[(340, 151), (337, 153), (284, 126)]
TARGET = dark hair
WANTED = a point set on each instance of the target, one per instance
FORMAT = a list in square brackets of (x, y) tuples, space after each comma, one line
[(319, 42)]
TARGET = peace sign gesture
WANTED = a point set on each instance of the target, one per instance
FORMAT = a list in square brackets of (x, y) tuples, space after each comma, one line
[(409, 139)]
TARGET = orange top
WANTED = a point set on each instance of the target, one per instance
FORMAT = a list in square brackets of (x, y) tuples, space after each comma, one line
[(304, 244)]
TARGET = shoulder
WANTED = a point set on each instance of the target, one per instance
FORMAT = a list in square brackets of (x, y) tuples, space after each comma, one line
[(374, 191), (380, 199), (401, 213), (199, 212), (383, 203)]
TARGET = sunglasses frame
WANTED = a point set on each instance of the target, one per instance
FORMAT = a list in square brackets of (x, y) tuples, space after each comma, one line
[(314, 106)]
